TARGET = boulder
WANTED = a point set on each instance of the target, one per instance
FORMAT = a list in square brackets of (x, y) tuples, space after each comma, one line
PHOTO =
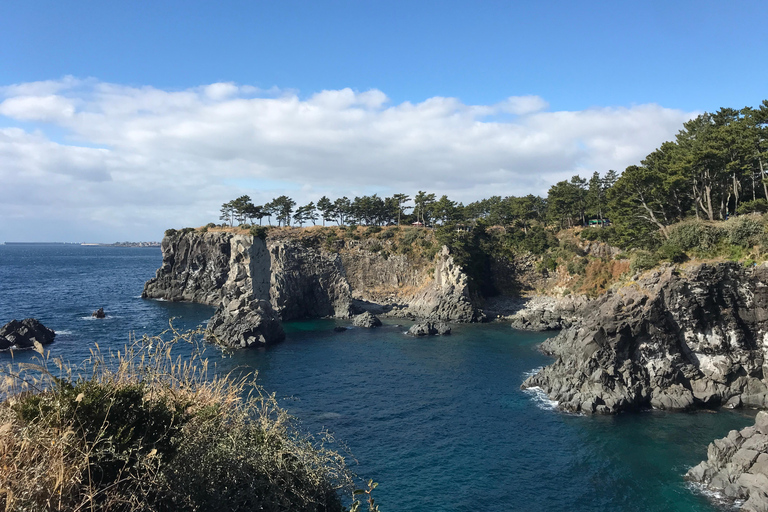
[(367, 320), (99, 313), (429, 329), (243, 322), (23, 334)]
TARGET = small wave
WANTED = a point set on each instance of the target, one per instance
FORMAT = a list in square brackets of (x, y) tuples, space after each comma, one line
[(714, 496), (329, 416), (533, 372), (541, 399), (63, 333), (89, 317)]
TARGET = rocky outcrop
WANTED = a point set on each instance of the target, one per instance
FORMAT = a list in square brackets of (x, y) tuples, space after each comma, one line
[(367, 320), (304, 279), (546, 313), (429, 329), (737, 466), (23, 334), (206, 267), (673, 340), (244, 322), (447, 297), (99, 313)]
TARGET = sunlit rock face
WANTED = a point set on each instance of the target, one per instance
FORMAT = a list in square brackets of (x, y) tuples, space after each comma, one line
[(671, 340)]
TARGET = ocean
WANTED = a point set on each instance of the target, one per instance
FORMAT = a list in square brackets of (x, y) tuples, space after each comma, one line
[(439, 423)]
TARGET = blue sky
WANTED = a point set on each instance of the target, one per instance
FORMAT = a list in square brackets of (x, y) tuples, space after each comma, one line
[(593, 85)]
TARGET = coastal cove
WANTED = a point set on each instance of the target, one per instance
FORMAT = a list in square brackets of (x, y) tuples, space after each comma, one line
[(440, 423)]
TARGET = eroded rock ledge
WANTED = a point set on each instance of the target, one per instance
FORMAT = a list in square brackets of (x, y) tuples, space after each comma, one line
[(673, 340)]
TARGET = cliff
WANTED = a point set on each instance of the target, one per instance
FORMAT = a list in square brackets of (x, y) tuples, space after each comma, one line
[(672, 340), (302, 277)]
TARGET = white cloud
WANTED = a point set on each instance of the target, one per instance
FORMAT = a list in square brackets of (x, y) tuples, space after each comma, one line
[(138, 160)]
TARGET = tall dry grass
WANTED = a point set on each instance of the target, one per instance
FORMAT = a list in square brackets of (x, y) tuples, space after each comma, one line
[(144, 430)]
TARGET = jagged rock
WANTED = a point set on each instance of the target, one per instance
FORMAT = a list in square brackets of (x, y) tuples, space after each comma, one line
[(367, 320), (23, 334), (429, 329), (244, 322), (340, 328), (737, 466), (672, 340), (545, 313), (99, 313), (448, 297)]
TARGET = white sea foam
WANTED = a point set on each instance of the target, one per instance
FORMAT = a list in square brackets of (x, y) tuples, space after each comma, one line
[(541, 399), (716, 497), (533, 372), (63, 333), (329, 416)]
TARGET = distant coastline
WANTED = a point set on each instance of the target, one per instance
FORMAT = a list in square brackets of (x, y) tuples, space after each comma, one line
[(116, 244)]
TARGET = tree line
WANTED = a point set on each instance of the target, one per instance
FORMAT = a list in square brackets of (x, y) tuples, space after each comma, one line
[(716, 167)]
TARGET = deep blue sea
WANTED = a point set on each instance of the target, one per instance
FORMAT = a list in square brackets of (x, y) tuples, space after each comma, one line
[(440, 423)]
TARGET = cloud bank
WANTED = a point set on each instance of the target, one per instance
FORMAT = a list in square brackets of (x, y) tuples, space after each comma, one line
[(88, 160)]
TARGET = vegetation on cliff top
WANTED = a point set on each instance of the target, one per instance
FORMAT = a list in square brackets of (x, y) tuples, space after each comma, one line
[(142, 430)]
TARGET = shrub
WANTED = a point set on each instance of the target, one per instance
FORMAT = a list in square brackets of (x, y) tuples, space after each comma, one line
[(142, 430), (388, 233), (170, 232), (259, 232), (411, 235), (577, 266), (210, 225), (642, 260), (372, 230), (744, 231), (756, 206), (672, 252), (695, 236), (184, 231)]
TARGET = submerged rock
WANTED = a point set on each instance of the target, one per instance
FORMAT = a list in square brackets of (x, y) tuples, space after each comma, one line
[(367, 320), (99, 313), (23, 334), (244, 322), (429, 329), (737, 466)]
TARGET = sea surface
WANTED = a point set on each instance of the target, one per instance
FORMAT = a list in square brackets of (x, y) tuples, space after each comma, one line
[(439, 423)]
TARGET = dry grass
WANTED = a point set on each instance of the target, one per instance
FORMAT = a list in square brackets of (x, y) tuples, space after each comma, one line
[(143, 430)]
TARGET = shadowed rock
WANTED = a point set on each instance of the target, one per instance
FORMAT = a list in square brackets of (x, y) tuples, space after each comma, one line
[(244, 323), (367, 320), (429, 329), (23, 334)]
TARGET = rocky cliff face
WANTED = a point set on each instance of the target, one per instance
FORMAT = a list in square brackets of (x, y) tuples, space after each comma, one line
[(737, 466), (206, 267), (672, 340), (301, 279)]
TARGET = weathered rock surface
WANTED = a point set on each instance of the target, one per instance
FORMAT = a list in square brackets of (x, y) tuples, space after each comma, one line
[(737, 466), (206, 267), (367, 320), (23, 334), (306, 282), (447, 297), (429, 329), (244, 322), (544, 313), (672, 340)]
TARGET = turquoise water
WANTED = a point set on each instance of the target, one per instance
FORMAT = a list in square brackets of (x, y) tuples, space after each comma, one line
[(440, 423)]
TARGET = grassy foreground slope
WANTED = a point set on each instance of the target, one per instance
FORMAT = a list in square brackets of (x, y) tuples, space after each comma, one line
[(141, 430)]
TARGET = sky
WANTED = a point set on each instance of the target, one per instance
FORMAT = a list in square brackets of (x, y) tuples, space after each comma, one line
[(121, 119)]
